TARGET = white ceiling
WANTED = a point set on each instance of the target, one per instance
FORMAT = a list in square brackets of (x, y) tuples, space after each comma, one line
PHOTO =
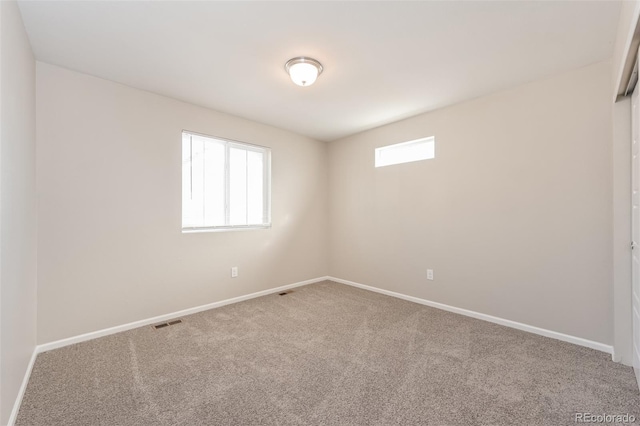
[(383, 61)]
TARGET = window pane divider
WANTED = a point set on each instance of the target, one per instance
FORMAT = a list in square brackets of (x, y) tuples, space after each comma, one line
[(227, 185)]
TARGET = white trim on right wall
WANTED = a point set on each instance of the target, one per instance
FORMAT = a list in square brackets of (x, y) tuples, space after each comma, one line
[(496, 320)]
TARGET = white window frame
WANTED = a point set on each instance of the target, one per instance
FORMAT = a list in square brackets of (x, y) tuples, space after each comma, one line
[(229, 143), (380, 161)]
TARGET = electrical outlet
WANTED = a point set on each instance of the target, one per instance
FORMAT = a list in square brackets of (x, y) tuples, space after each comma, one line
[(430, 274), (234, 272)]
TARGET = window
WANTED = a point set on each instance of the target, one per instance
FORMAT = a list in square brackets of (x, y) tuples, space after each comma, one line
[(406, 152), (225, 184)]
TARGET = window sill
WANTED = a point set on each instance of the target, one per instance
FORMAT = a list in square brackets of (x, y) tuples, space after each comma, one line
[(224, 229)]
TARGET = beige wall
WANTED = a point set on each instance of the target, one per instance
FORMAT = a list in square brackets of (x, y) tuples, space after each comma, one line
[(111, 249), (514, 214), (17, 206)]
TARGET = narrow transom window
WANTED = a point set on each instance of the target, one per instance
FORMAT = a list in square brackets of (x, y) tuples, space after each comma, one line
[(406, 152), (225, 184)]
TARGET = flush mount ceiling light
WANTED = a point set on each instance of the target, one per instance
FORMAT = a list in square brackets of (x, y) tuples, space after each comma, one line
[(303, 71)]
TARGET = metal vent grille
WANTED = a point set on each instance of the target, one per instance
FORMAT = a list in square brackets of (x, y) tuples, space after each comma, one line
[(167, 324)]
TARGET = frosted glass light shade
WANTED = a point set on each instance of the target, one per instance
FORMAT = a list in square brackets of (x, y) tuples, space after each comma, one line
[(303, 74), (303, 71)]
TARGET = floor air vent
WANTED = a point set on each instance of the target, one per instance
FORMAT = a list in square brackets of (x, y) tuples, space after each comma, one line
[(167, 324), (285, 292)]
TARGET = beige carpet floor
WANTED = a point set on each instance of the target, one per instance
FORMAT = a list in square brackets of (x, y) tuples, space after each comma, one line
[(325, 354)]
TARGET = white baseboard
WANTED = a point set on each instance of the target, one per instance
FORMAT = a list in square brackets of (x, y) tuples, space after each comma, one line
[(161, 318), (614, 356), (508, 323), (23, 388)]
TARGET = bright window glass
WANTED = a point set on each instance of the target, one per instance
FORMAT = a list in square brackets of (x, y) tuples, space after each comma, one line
[(406, 152), (225, 184)]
